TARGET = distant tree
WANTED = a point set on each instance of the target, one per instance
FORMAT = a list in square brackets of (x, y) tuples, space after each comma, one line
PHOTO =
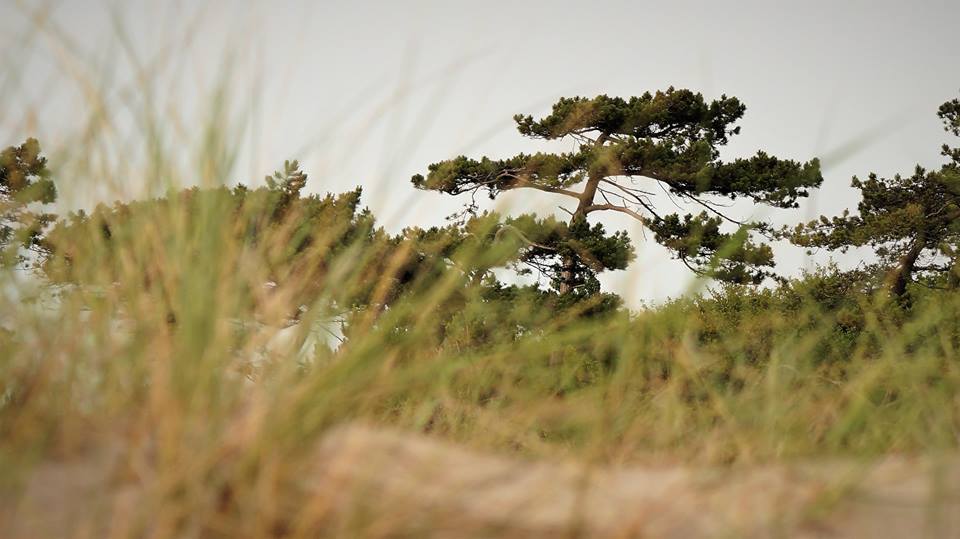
[(314, 247), (911, 222), (484, 242), (25, 184), (294, 239), (311, 251), (479, 245), (669, 139)]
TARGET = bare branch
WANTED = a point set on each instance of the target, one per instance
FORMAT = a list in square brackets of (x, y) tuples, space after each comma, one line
[(632, 190), (932, 267), (603, 192), (522, 182), (715, 211), (614, 207), (670, 196), (692, 268), (634, 195), (523, 237)]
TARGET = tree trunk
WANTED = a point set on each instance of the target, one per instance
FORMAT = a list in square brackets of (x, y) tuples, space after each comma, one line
[(953, 279), (567, 265), (899, 277), (586, 200), (566, 276)]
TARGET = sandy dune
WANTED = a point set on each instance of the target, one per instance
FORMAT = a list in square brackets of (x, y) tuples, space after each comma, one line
[(370, 482)]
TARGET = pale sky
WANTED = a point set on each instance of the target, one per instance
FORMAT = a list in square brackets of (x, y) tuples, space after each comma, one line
[(368, 93)]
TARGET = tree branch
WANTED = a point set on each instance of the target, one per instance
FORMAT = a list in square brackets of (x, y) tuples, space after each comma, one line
[(634, 194), (523, 237), (692, 268), (525, 183), (614, 207), (715, 211)]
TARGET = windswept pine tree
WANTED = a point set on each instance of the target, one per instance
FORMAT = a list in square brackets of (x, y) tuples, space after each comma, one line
[(625, 150), (911, 222)]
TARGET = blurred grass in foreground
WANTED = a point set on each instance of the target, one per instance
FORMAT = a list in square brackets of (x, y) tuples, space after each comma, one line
[(179, 343)]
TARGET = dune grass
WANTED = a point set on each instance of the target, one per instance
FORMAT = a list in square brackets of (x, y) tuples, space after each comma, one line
[(228, 392)]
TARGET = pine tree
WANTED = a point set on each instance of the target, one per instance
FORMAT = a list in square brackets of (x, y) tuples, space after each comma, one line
[(911, 222), (626, 148)]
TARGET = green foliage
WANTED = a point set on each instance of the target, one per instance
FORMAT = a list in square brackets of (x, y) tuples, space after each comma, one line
[(549, 242), (477, 307), (699, 243), (302, 242), (24, 181), (911, 222), (950, 114), (289, 181), (671, 139), (830, 306), (290, 238), (678, 113)]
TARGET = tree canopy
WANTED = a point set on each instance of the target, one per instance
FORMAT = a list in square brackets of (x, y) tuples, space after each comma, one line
[(24, 185), (626, 148), (318, 250), (292, 239)]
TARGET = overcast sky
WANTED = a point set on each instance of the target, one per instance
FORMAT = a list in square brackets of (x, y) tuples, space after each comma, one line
[(368, 93)]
